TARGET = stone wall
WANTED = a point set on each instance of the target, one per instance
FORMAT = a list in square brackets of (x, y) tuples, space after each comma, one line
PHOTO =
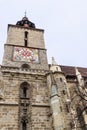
[(35, 40), (8, 117), (16, 37), (41, 116), (40, 119), (39, 106), (8, 59)]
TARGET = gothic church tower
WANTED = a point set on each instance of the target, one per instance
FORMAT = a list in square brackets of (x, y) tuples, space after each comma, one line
[(24, 100), (33, 94)]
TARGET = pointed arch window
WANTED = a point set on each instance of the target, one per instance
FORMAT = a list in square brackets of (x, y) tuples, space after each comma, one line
[(24, 90), (25, 67)]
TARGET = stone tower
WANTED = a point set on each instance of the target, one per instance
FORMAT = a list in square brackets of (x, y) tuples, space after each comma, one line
[(24, 102), (25, 45), (35, 95)]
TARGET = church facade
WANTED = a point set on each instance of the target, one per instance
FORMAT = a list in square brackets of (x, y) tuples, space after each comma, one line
[(33, 94)]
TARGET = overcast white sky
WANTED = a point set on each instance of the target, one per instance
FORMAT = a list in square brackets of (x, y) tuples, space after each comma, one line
[(64, 22)]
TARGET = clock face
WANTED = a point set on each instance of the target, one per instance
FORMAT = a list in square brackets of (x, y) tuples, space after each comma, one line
[(25, 54)]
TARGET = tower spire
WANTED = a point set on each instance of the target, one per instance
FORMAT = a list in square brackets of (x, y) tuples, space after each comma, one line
[(54, 66), (53, 61), (25, 13), (25, 22)]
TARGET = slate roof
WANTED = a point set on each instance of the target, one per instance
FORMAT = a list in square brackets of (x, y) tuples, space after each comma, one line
[(70, 70), (25, 23)]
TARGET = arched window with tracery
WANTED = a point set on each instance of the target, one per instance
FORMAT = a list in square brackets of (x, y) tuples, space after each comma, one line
[(24, 106), (81, 118), (24, 90)]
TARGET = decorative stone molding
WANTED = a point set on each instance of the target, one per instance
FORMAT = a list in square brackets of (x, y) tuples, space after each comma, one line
[(21, 70)]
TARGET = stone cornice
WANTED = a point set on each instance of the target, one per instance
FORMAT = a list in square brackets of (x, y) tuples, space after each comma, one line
[(33, 104), (16, 26), (8, 69), (24, 47), (40, 105)]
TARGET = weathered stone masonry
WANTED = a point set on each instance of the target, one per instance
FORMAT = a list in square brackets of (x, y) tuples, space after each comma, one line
[(33, 94)]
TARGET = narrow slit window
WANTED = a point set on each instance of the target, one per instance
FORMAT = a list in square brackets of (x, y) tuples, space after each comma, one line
[(24, 126), (26, 34), (25, 42), (26, 38)]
